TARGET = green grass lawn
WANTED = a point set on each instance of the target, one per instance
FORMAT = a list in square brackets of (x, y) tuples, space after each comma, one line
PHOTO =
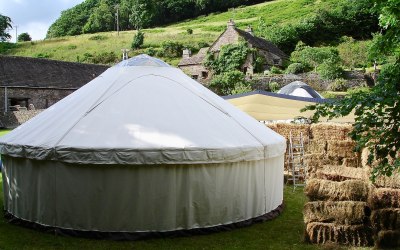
[(284, 232)]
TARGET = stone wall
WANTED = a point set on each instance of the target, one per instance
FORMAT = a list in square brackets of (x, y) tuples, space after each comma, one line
[(41, 98)]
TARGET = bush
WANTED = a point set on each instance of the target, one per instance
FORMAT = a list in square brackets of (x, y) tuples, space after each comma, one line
[(71, 47), (171, 49), (228, 82), (202, 45), (151, 51), (189, 31), (42, 55), (273, 86), (295, 68), (98, 38), (138, 40), (102, 58), (329, 70), (275, 70), (339, 85)]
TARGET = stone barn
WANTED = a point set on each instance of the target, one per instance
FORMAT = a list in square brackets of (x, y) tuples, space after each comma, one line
[(34, 83), (193, 65)]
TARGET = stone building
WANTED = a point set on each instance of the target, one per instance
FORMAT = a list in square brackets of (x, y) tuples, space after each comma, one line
[(193, 65), (32, 83)]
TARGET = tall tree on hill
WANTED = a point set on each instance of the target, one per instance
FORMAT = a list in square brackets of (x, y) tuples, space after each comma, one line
[(377, 113), (102, 19), (5, 23), (140, 14)]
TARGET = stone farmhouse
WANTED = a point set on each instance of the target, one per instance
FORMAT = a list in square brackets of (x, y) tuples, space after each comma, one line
[(193, 65), (33, 83)]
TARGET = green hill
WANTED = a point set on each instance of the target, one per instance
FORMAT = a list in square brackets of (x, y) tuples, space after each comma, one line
[(106, 47)]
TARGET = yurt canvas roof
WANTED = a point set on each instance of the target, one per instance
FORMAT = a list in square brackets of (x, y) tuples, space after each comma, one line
[(142, 111), (301, 89)]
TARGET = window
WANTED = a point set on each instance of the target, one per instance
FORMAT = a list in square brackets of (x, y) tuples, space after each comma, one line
[(204, 74), (195, 77), (277, 61), (18, 103)]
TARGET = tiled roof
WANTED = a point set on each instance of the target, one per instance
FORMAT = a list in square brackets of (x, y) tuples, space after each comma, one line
[(196, 59), (261, 43), (45, 73)]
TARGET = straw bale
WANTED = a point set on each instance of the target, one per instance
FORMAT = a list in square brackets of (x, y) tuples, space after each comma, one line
[(284, 129), (389, 182), (349, 190), (352, 162), (330, 131), (343, 149), (313, 162), (385, 198), (338, 212), (316, 147), (388, 239), (340, 173), (325, 233), (386, 219)]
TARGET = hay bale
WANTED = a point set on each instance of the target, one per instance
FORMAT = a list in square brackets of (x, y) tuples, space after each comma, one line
[(388, 182), (349, 190), (354, 235), (385, 198), (338, 212), (339, 173), (316, 147), (386, 219), (330, 131), (284, 129), (342, 149), (388, 239), (352, 162), (313, 162)]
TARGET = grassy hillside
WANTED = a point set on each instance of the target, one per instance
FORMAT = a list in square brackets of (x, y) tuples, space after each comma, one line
[(205, 30)]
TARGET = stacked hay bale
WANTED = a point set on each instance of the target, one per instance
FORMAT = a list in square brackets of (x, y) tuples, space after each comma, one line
[(384, 201), (330, 145), (338, 211)]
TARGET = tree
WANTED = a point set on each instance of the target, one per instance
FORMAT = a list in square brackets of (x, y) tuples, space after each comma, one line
[(24, 37), (102, 19), (140, 15), (377, 112), (5, 23)]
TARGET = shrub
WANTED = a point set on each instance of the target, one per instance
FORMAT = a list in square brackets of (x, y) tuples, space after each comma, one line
[(42, 55), (98, 38), (273, 86), (151, 51), (171, 49), (330, 70), (189, 31), (230, 58), (102, 58), (275, 70), (295, 68), (138, 40), (339, 85), (202, 45), (227, 82)]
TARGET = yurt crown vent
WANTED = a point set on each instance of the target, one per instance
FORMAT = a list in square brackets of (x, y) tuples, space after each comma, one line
[(143, 60)]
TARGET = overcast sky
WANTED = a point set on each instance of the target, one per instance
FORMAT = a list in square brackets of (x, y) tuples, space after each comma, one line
[(34, 16)]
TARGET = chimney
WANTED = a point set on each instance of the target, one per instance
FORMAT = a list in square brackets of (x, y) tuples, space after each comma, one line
[(186, 53), (231, 23), (249, 30), (124, 54)]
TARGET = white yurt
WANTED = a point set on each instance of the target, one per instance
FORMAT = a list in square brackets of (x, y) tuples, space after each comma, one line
[(300, 89), (142, 149)]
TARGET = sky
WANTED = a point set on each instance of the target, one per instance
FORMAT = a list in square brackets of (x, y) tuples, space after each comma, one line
[(34, 16)]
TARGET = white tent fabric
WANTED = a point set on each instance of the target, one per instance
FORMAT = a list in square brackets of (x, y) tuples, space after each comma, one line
[(149, 145), (301, 89)]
